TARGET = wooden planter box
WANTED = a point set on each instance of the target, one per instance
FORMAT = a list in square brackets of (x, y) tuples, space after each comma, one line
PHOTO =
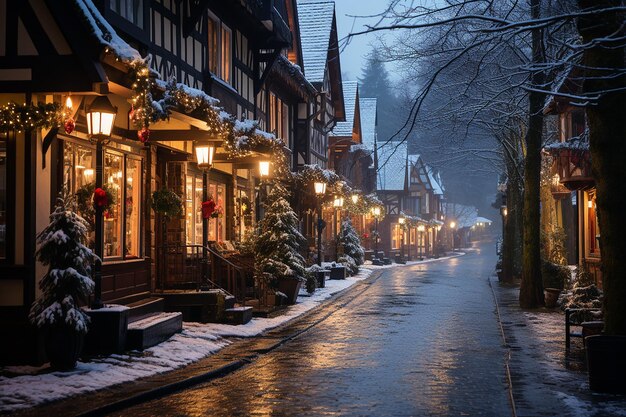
[(108, 330), (338, 272), (290, 287)]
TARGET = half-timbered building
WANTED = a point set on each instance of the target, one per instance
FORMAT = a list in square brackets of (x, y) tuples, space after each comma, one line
[(83, 49)]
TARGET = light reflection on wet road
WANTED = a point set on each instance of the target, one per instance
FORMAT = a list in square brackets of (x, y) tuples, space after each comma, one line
[(421, 341)]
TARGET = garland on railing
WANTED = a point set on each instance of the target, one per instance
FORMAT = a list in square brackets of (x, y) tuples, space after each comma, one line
[(21, 117)]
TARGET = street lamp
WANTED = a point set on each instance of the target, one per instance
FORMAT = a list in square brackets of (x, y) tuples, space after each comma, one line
[(320, 190), (355, 198), (205, 151), (421, 228), (337, 204), (100, 121), (264, 168), (402, 221), (376, 214), (452, 226)]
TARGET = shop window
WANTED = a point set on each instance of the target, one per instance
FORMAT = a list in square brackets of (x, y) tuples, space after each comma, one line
[(122, 178), (593, 227), (396, 236), (132, 210), (113, 178), (193, 210)]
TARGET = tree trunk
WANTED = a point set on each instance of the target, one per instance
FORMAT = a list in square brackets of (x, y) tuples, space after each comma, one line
[(607, 137), (531, 288), (511, 239)]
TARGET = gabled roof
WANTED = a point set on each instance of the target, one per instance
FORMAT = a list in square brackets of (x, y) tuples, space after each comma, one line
[(369, 121), (392, 163), (316, 23), (435, 180), (350, 97)]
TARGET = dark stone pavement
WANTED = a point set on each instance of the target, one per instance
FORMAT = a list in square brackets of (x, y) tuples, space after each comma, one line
[(419, 341), (410, 341)]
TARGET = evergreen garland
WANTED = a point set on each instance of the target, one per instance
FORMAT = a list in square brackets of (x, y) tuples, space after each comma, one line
[(67, 282), (278, 239), (21, 117)]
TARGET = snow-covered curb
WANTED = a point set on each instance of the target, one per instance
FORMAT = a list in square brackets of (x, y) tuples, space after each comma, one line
[(196, 341)]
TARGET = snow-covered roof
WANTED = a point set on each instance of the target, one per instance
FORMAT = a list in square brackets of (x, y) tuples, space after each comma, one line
[(435, 180), (316, 20), (350, 89), (105, 33), (367, 108), (392, 159), (483, 220)]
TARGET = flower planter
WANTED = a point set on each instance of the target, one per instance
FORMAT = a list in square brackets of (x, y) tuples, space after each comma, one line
[(290, 287), (606, 363), (107, 330), (63, 347), (551, 296)]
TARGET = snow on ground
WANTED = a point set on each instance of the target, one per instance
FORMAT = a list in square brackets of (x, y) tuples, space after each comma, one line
[(196, 341)]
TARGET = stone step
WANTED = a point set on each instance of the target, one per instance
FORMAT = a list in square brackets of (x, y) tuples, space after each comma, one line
[(145, 307), (198, 306), (153, 329), (238, 315)]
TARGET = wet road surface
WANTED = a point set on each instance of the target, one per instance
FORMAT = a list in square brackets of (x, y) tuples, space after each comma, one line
[(420, 341)]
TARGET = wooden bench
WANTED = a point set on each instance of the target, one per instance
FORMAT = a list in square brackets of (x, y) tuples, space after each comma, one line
[(569, 323)]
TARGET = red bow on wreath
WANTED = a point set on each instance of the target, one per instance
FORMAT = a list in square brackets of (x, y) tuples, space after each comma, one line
[(100, 198), (208, 207)]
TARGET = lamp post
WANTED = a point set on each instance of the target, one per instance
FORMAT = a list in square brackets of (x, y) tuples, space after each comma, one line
[(376, 213), (204, 158), (452, 226), (100, 121), (337, 204), (320, 190), (402, 221)]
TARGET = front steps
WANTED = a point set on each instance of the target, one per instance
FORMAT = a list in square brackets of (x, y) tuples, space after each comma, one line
[(153, 329), (198, 306)]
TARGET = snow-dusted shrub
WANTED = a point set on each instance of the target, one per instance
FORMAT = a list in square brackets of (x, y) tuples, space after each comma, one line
[(351, 267), (353, 252), (62, 247), (278, 239), (584, 295)]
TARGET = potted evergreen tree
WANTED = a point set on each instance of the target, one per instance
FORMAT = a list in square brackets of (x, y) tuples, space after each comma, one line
[(276, 247), (62, 247)]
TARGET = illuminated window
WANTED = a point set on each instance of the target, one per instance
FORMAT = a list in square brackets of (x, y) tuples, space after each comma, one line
[(122, 178), (219, 49)]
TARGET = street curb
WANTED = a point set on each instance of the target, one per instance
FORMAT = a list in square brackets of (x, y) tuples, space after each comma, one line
[(235, 365), (508, 349), (165, 389)]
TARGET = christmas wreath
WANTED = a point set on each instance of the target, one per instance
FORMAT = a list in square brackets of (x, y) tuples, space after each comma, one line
[(167, 203), (88, 197)]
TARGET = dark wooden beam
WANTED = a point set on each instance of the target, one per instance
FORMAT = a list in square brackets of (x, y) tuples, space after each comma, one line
[(180, 135)]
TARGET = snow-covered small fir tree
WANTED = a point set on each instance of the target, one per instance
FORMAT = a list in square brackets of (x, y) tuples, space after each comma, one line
[(62, 247), (278, 239), (353, 252)]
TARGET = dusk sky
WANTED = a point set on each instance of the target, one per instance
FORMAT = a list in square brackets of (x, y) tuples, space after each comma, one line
[(353, 55)]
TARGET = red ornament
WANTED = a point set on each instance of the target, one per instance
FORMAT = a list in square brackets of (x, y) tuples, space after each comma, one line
[(208, 207), (69, 126), (144, 134), (100, 198)]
